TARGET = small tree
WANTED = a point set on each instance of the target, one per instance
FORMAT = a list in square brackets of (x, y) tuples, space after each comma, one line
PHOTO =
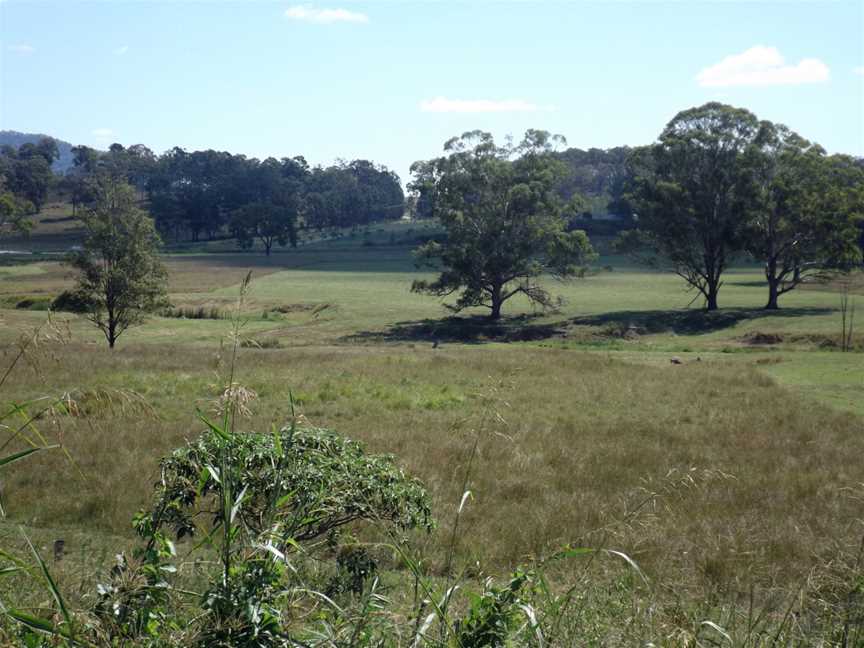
[(804, 221), (119, 272), (503, 221), (269, 223), (690, 193)]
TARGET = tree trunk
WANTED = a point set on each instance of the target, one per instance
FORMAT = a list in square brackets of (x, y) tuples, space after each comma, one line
[(773, 282), (497, 301), (773, 294), (711, 304), (711, 295), (112, 332)]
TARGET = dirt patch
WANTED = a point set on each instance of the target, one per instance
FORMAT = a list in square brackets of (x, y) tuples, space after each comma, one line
[(315, 309), (757, 338)]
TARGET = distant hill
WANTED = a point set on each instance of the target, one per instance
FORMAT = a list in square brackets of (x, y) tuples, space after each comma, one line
[(16, 139)]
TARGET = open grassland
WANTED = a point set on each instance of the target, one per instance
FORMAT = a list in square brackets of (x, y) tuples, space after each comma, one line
[(738, 468), (711, 476)]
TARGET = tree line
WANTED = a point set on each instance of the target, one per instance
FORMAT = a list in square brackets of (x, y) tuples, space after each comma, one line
[(206, 194), (210, 194)]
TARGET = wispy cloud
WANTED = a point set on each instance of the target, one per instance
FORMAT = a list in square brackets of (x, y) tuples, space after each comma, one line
[(306, 13), (762, 66), (22, 48), (120, 51), (445, 105), (859, 70), (102, 132)]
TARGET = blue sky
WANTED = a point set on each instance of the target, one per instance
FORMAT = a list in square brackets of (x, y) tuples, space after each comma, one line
[(391, 81)]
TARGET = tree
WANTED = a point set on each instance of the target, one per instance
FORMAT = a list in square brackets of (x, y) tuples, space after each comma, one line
[(502, 218), (266, 222), (14, 212), (804, 221), (119, 272), (690, 191)]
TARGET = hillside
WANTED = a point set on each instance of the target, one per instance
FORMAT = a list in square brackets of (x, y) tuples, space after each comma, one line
[(16, 139)]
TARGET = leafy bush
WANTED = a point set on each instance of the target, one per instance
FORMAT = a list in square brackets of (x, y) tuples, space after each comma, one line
[(34, 303), (305, 481), (72, 301)]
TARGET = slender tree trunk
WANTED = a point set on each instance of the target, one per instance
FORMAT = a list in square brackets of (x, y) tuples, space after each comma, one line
[(773, 285), (112, 332), (497, 301)]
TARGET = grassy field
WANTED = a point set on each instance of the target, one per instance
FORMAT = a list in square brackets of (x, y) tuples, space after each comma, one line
[(736, 468)]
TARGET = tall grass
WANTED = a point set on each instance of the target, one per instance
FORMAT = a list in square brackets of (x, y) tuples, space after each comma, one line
[(696, 505), (193, 313)]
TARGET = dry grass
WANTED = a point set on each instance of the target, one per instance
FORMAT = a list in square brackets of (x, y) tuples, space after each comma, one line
[(737, 479)]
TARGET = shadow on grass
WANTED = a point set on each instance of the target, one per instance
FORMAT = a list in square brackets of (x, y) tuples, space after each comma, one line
[(466, 330), (522, 328), (687, 322)]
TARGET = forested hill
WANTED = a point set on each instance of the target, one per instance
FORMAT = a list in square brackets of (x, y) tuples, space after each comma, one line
[(14, 138)]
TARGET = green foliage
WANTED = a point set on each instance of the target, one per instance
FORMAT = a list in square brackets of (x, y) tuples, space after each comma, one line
[(503, 221), (806, 208), (13, 213), (298, 483), (119, 271), (270, 224), (689, 191), (243, 610), (494, 614), (719, 182), (351, 194), (72, 301), (25, 178)]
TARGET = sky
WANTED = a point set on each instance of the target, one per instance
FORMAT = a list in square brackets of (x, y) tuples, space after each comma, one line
[(392, 81)]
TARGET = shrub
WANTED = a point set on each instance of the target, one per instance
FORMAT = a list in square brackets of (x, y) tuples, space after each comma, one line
[(306, 481), (34, 303), (72, 301), (192, 312)]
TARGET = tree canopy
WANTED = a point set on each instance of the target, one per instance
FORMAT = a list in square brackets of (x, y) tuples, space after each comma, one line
[(804, 213), (690, 192), (503, 221), (720, 183), (26, 177)]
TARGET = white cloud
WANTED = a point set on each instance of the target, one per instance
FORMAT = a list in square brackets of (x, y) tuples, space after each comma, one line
[(324, 16), (120, 51), (859, 70), (22, 48), (762, 66), (445, 105), (102, 132)]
